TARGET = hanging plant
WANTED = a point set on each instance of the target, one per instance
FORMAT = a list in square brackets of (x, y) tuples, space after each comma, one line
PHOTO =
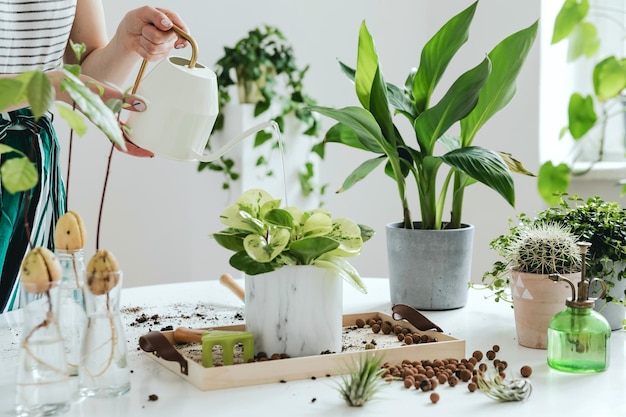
[(263, 67)]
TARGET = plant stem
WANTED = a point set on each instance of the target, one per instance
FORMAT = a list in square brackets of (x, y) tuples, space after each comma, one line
[(69, 162), (104, 189)]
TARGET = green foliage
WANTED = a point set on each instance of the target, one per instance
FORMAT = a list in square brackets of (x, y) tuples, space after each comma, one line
[(586, 113), (470, 101), (266, 57), (19, 173), (266, 237), (362, 380), (601, 223)]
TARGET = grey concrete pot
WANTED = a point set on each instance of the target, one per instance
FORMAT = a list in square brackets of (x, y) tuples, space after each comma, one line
[(429, 269)]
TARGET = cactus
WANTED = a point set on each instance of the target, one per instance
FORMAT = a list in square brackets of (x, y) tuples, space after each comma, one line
[(545, 248)]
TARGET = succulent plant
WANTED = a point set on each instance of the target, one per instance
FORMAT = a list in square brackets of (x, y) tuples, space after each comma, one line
[(544, 248)]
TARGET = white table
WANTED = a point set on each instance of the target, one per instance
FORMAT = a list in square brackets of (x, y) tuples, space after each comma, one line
[(482, 323)]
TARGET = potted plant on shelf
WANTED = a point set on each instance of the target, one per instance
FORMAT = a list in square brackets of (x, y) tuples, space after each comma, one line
[(435, 270), (294, 263), (263, 67), (588, 114), (531, 252)]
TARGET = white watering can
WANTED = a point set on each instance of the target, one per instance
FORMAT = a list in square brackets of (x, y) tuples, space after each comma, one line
[(181, 107)]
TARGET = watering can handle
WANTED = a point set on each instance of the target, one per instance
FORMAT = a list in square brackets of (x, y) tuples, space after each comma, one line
[(192, 60)]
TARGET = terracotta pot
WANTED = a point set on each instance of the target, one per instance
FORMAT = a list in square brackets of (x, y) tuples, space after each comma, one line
[(536, 299)]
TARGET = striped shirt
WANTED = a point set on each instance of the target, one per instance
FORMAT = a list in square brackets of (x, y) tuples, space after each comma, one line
[(34, 34)]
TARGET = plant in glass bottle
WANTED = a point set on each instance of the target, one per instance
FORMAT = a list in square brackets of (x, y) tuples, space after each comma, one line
[(69, 242), (43, 383), (104, 369)]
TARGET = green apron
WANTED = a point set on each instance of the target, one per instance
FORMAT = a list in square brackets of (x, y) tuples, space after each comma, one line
[(40, 207)]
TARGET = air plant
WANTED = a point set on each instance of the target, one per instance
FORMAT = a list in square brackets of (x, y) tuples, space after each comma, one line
[(363, 380), (504, 390)]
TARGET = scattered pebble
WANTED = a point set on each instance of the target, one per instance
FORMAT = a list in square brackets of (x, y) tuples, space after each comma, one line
[(526, 371)]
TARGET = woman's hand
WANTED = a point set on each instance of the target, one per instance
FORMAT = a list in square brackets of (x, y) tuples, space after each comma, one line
[(146, 31)]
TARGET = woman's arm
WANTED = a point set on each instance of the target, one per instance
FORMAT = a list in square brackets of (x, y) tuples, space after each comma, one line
[(142, 33)]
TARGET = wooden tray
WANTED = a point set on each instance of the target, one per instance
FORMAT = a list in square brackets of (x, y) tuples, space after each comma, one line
[(318, 366)]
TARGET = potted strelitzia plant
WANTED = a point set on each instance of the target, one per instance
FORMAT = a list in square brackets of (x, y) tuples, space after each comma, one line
[(430, 259), (294, 265)]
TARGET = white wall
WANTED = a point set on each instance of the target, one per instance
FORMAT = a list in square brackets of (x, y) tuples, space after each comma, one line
[(158, 213)]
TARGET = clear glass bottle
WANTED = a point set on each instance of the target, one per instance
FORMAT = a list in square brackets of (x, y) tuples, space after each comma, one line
[(104, 368), (71, 312), (43, 383), (578, 337)]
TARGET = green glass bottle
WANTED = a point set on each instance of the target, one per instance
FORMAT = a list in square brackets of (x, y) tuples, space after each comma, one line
[(578, 337)]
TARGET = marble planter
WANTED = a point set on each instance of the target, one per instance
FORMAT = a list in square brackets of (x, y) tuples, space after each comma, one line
[(297, 310)]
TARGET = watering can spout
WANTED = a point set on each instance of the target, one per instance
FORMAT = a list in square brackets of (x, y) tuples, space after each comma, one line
[(212, 156)]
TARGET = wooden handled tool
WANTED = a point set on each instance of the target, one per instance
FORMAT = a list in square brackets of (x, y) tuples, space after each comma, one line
[(187, 335), (228, 281)]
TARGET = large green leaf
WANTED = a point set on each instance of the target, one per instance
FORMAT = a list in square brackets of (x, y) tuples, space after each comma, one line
[(437, 54), (309, 249), (581, 115), (458, 101), (263, 249), (92, 106), (279, 217), (507, 59), (229, 240), (366, 67), (11, 92), (609, 78), (361, 172), (569, 17), (342, 268), (486, 166), (552, 181), (40, 94), (363, 124), (73, 119), (233, 216), (18, 174), (583, 41), (242, 262), (318, 224), (340, 133), (348, 234)]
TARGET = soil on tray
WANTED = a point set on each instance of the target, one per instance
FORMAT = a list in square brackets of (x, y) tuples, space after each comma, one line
[(354, 339)]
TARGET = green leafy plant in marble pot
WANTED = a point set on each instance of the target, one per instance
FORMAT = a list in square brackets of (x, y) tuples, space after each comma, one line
[(470, 101), (531, 252), (294, 264)]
